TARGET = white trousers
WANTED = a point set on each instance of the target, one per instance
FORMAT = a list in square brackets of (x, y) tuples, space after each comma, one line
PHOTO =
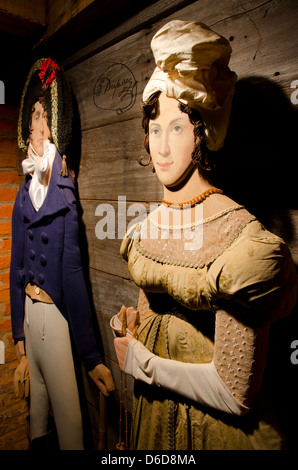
[(52, 375)]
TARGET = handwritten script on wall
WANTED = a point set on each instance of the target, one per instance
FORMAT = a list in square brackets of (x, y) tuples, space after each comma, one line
[(115, 89)]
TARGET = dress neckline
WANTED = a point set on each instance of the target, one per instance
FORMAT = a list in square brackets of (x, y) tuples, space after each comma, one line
[(199, 222), (196, 263)]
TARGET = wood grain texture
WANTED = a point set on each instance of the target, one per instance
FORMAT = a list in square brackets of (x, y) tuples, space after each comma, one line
[(104, 240), (149, 14), (109, 164), (256, 31), (111, 292)]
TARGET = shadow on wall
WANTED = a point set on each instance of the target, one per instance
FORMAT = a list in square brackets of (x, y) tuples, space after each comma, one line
[(256, 169), (256, 165), (89, 393), (87, 389)]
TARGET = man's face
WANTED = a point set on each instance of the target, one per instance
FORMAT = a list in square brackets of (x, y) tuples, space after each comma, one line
[(39, 128)]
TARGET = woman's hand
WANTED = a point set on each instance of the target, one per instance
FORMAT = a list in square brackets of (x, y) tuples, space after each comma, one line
[(102, 377), (121, 345), (132, 318)]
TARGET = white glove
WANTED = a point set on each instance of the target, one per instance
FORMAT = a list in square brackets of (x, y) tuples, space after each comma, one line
[(198, 382)]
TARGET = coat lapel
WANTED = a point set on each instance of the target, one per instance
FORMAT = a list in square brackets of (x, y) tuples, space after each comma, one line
[(54, 201)]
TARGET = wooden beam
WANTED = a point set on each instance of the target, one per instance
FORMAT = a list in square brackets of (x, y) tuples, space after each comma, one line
[(137, 19), (24, 19), (31, 10), (60, 13)]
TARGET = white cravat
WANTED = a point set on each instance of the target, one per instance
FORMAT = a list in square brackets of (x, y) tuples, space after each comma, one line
[(40, 168)]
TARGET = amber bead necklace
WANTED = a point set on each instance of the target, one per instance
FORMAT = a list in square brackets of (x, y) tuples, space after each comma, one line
[(196, 200)]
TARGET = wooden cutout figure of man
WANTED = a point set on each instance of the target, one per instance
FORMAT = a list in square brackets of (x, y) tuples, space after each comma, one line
[(49, 300)]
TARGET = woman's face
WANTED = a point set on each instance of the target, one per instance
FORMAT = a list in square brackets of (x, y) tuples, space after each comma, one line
[(171, 142), (39, 128)]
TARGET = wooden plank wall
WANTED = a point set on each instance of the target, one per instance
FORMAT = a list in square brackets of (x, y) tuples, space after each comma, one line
[(108, 83)]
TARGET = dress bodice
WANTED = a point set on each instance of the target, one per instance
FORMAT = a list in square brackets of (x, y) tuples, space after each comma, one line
[(227, 270), (227, 257)]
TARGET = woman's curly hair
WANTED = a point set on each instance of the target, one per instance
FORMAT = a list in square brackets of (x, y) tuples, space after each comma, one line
[(200, 155)]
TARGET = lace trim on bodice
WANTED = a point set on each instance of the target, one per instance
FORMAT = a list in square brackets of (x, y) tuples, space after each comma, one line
[(199, 244)]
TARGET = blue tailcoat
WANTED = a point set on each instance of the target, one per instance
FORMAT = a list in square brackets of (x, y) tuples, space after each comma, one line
[(45, 251)]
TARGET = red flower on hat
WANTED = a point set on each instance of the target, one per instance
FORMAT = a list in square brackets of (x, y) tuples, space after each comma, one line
[(48, 68)]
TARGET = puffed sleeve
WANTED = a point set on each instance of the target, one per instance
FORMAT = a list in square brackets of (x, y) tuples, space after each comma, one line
[(257, 275), (127, 242)]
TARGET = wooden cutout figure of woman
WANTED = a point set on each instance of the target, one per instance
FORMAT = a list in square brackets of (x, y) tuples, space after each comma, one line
[(212, 279), (49, 300)]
